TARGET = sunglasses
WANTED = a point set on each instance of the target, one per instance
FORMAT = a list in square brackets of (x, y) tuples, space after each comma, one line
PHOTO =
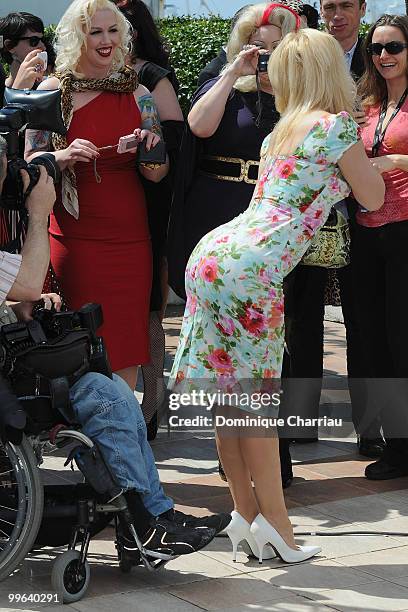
[(393, 48), (33, 41)]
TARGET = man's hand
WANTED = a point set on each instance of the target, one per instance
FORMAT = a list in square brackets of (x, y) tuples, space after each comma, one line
[(359, 117), (24, 310), (42, 198)]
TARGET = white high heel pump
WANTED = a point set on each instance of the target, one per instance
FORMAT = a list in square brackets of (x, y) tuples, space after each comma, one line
[(238, 531), (263, 533)]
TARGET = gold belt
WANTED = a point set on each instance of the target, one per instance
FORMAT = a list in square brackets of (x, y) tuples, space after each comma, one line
[(245, 166)]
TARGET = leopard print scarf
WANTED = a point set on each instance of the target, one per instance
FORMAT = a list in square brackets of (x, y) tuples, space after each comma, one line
[(123, 81)]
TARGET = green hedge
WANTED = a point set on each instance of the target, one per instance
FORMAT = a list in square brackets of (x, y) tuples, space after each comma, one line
[(193, 43)]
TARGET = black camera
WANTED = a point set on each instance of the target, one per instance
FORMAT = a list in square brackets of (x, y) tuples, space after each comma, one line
[(12, 121), (263, 59), (54, 343), (89, 317), (39, 110)]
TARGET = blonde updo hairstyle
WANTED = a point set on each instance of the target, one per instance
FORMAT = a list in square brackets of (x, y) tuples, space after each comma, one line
[(246, 25), (72, 31), (308, 73)]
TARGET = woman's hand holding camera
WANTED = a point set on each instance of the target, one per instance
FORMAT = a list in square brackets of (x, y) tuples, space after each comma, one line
[(151, 138), (30, 72), (246, 62)]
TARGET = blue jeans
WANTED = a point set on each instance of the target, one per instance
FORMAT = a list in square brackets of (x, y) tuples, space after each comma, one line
[(109, 413)]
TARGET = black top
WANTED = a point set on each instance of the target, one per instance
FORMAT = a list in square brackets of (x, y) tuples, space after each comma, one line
[(203, 202), (213, 68), (150, 74), (159, 195)]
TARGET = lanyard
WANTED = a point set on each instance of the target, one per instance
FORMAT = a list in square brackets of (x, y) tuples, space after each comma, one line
[(379, 133)]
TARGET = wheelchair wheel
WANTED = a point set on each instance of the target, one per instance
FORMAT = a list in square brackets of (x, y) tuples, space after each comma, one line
[(21, 504), (70, 580)]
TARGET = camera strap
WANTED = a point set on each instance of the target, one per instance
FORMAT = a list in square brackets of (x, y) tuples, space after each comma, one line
[(98, 177), (379, 134), (60, 400)]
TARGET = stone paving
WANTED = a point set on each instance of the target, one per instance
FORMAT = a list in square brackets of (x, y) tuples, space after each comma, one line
[(329, 495)]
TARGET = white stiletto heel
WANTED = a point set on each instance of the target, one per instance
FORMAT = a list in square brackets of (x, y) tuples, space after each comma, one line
[(263, 533), (238, 531)]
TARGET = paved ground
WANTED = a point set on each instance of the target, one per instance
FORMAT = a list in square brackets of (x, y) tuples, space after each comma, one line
[(329, 495)]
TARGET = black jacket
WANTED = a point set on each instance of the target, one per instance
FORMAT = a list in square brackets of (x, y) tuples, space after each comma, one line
[(357, 65)]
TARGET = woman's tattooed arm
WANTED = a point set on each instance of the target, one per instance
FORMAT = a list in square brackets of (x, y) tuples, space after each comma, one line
[(36, 141), (150, 116)]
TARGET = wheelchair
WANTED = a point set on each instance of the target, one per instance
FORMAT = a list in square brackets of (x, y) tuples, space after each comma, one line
[(34, 515)]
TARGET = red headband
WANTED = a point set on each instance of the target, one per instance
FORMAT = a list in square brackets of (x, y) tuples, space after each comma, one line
[(271, 7)]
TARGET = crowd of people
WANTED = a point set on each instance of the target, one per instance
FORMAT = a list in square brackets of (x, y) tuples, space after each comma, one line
[(270, 153)]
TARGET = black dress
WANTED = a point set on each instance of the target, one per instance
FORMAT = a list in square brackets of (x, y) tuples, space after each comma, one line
[(203, 202)]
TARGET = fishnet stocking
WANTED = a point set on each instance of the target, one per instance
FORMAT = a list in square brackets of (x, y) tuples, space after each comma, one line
[(154, 389)]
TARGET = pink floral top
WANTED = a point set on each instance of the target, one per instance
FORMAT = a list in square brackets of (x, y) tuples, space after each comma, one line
[(233, 329)]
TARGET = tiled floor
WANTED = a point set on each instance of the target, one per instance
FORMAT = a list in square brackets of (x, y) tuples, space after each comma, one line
[(329, 495)]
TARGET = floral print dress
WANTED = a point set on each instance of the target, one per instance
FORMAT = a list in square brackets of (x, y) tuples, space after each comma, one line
[(232, 337)]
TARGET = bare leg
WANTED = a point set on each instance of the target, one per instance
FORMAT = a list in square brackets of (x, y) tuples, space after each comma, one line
[(261, 456), (239, 479), (129, 375)]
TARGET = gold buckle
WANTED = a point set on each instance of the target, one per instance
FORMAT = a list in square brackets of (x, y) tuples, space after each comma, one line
[(248, 164), (230, 160), (245, 166)]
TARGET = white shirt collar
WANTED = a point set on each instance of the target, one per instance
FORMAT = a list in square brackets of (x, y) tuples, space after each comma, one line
[(350, 54)]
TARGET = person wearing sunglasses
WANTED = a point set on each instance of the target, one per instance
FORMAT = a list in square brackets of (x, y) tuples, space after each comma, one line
[(314, 287), (23, 39), (380, 259)]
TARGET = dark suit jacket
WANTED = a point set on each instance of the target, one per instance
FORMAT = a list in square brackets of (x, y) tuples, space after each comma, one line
[(357, 70), (357, 65)]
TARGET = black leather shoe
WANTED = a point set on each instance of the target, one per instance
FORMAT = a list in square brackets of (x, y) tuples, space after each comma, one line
[(218, 522), (381, 470), (371, 447)]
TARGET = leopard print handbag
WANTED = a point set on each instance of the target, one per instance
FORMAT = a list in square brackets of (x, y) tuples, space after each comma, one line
[(330, 247)]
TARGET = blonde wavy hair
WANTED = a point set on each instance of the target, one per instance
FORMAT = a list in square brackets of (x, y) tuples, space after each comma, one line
[(246, 25), (72, 31), (308, 73)]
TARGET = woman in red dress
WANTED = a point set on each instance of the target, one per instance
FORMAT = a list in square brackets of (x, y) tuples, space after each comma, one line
[(100, 243)]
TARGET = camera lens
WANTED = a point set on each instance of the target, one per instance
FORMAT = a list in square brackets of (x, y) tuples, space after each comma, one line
[(263, 60), (48, 161)]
